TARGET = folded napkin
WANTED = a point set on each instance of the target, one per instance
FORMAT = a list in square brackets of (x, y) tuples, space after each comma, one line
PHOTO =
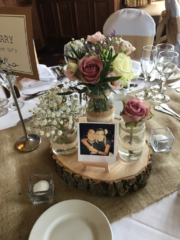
[(136, 67), (47, 79), (155, 75)]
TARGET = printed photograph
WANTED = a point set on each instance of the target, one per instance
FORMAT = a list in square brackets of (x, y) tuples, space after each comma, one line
[(97, 141)]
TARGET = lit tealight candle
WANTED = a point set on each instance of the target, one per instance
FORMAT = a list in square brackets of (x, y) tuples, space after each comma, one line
[(40, 186), (162, 144)]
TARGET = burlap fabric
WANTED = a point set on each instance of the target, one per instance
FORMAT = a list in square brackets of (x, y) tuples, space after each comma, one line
[(18, 215)]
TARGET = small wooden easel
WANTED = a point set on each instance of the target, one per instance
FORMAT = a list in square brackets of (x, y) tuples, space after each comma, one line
[(96, 164)]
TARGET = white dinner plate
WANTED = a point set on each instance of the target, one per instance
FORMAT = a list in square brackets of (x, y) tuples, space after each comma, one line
[(72, 220), (118, 103)]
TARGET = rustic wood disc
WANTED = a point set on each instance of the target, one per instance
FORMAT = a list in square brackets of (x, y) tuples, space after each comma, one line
[(123, 177)]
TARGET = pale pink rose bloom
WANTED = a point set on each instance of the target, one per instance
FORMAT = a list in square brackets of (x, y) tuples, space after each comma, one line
[(125, 44), (95, 38), (116, 84), (129, 50), (90, 68), (136, 111)]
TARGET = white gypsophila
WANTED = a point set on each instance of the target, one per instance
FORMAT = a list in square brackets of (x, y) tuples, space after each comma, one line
[(28, 128), (93, 48), (54, 122), (111, 47), (87, 54), (63, 107), (86, 105), (41, 133), (59, 133), (61, 122), (69, 126), (35, 109), (75, 95), (70, 122), (110, 39), (48, 111), (76, 102), (68, 110), (82, 39), (117, 42), (70, 117), (63, 115), (57, 114), (36, 123), (52, 132), (76, 108), (30, 110), (53, 114), (54, 105), (47, 134), (121, 40)]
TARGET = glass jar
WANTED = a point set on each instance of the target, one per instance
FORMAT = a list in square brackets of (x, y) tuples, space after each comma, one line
[(67, 143), (131, 141), (100, 104)]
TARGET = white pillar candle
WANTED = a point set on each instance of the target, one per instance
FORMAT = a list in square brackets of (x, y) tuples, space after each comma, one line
[(162, 144), (42, 185)]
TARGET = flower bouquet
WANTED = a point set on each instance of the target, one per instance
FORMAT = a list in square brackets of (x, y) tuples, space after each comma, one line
[(132, 128), (98, 69), (55, 117)]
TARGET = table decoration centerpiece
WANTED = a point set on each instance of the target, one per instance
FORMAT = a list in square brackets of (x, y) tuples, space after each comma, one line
[(132, 128), (99, 71), (56, 117)]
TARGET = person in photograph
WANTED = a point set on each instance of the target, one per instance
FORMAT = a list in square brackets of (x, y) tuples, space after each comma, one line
[(90, 139), (101, 145)]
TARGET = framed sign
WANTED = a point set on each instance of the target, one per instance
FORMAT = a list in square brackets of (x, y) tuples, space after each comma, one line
[(96, 142), (16, 41)]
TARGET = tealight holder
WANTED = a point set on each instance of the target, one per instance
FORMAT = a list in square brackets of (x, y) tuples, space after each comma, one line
[(161, 139), (41, 188)]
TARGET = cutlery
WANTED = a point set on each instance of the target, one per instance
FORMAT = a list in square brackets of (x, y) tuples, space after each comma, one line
[(43, 91), (160, 109), (33, 96), (165, 106), (41, 82), (133, 85)]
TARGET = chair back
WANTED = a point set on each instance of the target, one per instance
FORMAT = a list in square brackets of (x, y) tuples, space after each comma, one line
[(171, 22), (133, 25)]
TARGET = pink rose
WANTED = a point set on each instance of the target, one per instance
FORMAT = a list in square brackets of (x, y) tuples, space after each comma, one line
[(116, 84), (135, 111), (95, 38), (90, 68)]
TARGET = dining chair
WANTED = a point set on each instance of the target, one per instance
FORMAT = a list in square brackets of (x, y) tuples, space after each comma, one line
[(170, 21), (133, 25)]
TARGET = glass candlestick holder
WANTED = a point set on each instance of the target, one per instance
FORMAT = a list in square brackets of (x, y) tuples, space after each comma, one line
[(161, 139), (41, 188)]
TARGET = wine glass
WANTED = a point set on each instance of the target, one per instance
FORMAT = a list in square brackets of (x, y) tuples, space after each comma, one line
[(148, 62), (5, 83), (161, 47), (167, 63), (3, 102)]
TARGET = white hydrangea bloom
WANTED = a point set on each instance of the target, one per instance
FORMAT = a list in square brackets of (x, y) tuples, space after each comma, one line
[(35, 109)]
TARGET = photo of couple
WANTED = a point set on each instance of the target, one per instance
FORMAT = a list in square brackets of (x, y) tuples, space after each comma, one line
[(96, 139)]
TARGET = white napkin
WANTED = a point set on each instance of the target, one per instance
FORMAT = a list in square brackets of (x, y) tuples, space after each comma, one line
[(136, 67), (175, 75), (46, 77)]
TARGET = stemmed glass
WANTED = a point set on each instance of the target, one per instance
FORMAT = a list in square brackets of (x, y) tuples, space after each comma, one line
[(3, 111), (148, 62), (161, 47), (167, 63), (5, 83)]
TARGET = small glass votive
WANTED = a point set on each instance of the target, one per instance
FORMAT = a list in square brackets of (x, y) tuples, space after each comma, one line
[(161, 139), (41, 188)]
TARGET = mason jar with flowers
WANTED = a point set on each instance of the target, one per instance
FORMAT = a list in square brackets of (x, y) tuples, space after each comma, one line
[(56, 117), (132, 129), (100, 71)]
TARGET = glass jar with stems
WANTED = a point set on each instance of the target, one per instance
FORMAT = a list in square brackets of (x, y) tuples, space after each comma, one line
[(161, 47), (148, 62), (167, 63)]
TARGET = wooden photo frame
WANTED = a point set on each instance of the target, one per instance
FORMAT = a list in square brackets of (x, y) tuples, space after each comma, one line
[(16, 42)]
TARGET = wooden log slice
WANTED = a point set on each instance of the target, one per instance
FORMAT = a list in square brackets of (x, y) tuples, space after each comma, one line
[(123, 177)]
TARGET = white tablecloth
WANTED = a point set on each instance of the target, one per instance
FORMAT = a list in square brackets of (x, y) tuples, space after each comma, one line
[(160, 221)]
